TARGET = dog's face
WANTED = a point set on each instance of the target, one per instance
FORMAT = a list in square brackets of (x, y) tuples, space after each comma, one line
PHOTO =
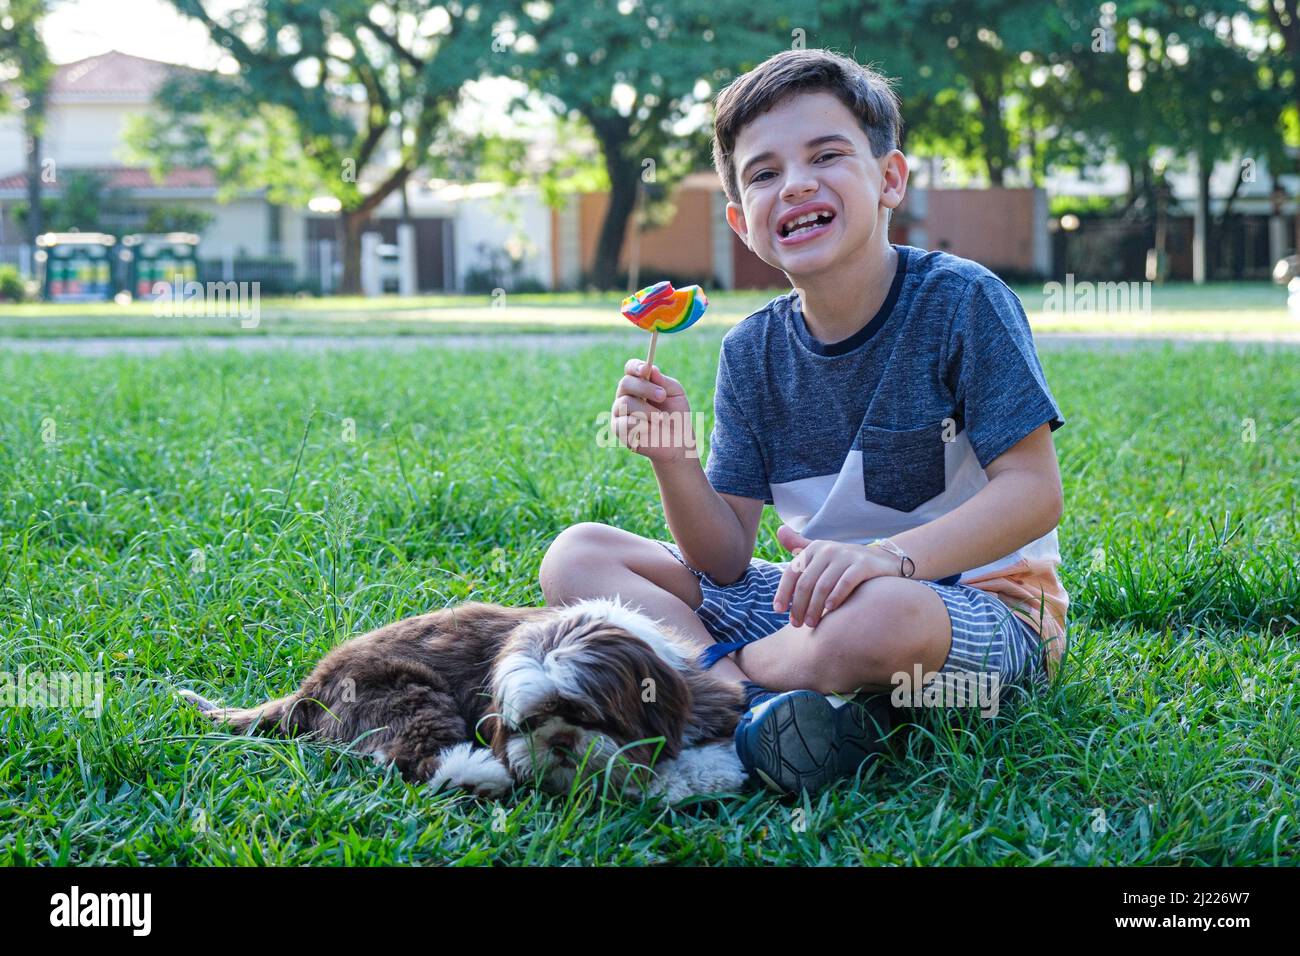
[(573, 690)]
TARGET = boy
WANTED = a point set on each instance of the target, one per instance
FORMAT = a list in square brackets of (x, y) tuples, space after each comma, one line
[(892, 409)]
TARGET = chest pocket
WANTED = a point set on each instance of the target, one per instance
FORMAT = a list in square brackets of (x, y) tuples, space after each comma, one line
[(902, 469)]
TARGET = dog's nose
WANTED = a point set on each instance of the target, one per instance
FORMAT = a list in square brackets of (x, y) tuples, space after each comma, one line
[(563, 741)]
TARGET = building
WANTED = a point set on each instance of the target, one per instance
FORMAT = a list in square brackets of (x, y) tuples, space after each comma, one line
[(89, 104)]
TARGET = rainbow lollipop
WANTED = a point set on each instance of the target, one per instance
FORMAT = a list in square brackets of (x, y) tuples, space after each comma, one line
[(661, 308)]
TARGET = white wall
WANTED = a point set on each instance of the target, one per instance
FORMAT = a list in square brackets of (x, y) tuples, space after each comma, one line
[(241, 225), (13, 147), (519, 214), (89, 134), (293, 237), (76, 134)]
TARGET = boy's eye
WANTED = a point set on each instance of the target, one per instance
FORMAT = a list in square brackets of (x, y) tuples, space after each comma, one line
[(822, 156)]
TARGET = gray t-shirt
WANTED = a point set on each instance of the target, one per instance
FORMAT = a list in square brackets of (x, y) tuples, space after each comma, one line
[(891, 427)]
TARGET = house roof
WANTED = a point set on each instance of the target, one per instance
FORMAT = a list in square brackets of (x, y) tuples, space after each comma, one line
[(111, 75), (136, 179)]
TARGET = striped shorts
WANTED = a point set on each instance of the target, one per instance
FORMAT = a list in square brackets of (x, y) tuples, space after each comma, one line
[(986, 636)]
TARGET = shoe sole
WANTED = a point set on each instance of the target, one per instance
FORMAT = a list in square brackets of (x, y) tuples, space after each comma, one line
[(862, 725), (805, 744)]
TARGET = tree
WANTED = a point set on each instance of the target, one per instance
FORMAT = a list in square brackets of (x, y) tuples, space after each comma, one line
[(319, 89), (632, 71), (965, 72), (1181, 79), (1223, 110), (571, 164), (1281, 20), (22, 52)]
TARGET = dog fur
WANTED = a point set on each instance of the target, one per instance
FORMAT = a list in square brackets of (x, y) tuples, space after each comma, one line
[(481, 697)]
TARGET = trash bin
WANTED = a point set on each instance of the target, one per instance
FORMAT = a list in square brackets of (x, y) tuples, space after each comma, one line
[(150, 258), (76, 266)]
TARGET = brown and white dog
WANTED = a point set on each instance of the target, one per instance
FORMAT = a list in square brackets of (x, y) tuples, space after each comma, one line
[(543, 691)]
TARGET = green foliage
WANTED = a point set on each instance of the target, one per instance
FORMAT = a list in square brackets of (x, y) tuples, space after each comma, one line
[(1037, 85), (250, 145), (12, 287), (167, 217), (633, 73), (317, 87), (573, 165), (85, 203), (1084, 206), (1170, 76), (24, 58)]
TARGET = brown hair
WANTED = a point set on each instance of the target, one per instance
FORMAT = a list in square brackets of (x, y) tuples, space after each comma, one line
[(868, 95)]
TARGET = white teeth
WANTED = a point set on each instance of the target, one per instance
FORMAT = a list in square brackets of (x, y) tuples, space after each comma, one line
[(804, 219)]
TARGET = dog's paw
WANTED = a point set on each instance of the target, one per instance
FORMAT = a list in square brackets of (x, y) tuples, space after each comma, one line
[(710, 768), (200, 703), (473, 769)]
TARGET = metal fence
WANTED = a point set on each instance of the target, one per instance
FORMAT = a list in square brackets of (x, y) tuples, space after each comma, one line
[(17, 255), (278, 274)]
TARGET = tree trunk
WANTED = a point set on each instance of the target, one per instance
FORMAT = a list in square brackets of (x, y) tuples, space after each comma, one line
[(997, 172), (622, 200), (1202, 268), (1295, 217), (1162, 233), (1223, 227), (993, 137), (355, 221), (35, 214), (353, 225)]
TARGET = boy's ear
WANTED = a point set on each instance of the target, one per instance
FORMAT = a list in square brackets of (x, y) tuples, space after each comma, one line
[(894, 167), (736, 220)]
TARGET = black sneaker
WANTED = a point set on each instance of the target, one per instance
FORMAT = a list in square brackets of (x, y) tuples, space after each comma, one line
[(798, 740)]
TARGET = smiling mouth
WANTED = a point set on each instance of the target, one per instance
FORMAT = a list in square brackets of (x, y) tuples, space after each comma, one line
[(798, 232)]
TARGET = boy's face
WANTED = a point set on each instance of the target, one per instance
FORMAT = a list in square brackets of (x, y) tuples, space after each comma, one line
[(841, 173)]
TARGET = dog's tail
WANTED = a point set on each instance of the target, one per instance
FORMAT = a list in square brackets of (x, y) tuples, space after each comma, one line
[(262, 717)]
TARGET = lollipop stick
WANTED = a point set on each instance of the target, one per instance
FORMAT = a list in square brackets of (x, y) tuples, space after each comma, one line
[(650, 359)]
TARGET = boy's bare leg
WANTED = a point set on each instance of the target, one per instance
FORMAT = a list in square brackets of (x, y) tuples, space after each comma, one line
[(887, 625), (591, 560)]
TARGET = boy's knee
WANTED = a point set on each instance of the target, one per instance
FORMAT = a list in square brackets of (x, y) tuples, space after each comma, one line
[(592, 559), (570, 555), (886, 626), (580, 539)]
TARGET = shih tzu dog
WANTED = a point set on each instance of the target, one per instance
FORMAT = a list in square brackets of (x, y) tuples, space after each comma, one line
[(481, 697)]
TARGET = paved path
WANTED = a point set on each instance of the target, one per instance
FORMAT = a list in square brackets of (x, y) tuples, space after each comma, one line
[(546, 342), (157, 345)]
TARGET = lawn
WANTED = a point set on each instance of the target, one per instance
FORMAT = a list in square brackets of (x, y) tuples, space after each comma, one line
[(1217, 309), (218, 521)]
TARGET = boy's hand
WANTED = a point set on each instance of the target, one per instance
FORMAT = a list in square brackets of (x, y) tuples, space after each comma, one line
[(652, 416), (824, 573)]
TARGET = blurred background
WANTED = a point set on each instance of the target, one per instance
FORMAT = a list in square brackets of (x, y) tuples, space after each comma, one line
[(320, 147)]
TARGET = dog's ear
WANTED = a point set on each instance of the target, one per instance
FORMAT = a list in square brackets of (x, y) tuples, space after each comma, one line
[(716, 706), (665, 703)]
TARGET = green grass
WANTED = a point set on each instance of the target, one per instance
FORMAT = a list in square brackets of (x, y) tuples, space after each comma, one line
[(1217, 309), (1172, 728)]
